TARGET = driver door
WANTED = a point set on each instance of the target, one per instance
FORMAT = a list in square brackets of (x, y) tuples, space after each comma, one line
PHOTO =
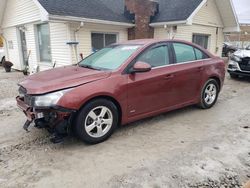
[(147, 91)]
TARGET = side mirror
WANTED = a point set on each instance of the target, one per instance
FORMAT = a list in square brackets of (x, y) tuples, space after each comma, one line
[(140, 66)]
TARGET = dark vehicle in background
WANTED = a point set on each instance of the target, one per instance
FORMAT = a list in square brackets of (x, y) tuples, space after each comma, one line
[(239, 63), (119, 84), (228, 49)]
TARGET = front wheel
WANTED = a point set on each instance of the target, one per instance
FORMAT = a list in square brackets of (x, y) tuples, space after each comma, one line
[(96, 121), (209, 94)]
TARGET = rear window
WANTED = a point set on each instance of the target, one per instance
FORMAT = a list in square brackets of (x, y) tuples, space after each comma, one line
[(184, 52), (200, 54)]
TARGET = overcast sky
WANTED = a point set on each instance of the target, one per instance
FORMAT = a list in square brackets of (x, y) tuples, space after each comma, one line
[(242, 8)]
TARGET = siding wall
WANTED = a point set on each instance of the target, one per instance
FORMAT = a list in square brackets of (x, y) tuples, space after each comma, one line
[(10, 35), (208, 15), (161, 33), (185, 32), (19, 12), (227, 12), (206, 21), (14, 55), (83, 36), (60, 51), (60, 33), (31, 46), (25, 13)]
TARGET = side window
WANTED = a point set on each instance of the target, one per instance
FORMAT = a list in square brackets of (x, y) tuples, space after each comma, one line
[(158, 56), (200, 54), (184, 52)]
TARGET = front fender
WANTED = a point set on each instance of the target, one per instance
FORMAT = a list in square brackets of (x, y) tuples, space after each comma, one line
[(114, 88)]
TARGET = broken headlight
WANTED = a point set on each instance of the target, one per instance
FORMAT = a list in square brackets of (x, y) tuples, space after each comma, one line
[(22, 91), (50, 99)]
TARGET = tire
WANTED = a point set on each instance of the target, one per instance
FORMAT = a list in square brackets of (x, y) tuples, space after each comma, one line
[(93, 127), (209, 94), (234, 76)]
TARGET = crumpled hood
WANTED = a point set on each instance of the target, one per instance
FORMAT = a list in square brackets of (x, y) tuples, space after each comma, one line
[(242, 53), (61, 78)]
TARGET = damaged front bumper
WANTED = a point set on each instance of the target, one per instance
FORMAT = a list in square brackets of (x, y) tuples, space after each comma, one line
[(56, 120), (234, 68), (239, 63)]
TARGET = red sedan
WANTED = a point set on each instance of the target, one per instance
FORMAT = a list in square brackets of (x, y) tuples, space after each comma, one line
[(119, 84)]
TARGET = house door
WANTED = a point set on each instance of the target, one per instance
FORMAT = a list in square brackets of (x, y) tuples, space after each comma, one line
[(24, 48)]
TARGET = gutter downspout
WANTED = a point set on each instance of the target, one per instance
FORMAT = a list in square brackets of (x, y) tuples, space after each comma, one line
[(76, 39)]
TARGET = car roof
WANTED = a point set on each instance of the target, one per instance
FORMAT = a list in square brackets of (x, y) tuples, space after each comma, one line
[(151, 41), (148, 42)]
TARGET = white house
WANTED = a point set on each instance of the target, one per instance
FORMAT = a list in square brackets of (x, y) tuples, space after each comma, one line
[(55, 32)]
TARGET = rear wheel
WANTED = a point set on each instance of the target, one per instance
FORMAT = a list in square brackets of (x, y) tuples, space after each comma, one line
[(209, 94), (96, 121)]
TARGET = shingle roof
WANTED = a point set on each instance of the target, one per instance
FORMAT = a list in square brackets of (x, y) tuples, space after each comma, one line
[(175, 10), (113, 10)]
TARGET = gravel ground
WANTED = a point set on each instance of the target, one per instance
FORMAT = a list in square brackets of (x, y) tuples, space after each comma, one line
[(185, 148)]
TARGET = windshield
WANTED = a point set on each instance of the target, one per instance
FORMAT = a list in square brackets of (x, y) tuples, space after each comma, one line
[(109, 58)]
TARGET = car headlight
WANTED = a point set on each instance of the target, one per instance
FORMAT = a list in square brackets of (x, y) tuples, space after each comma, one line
[(233, 66), (50, 99), (235, 58)]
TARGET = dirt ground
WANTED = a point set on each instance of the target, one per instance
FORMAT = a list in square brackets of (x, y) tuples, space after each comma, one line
[(185, 148)]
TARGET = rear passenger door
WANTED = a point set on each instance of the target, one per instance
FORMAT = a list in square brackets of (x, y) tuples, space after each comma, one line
[(188, 71)]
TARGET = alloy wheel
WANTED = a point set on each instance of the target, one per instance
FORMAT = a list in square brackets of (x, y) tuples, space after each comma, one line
[(98, 121), (210, 93)]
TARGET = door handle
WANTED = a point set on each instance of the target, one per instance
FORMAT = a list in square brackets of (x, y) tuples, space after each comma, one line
[(169, 76)]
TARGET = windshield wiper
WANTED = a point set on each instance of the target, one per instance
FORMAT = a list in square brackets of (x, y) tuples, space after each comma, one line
[(90, 67)]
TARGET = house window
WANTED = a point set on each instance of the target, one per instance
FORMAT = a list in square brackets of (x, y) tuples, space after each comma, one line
[(44, 42), (100, 40), (201, 40)]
